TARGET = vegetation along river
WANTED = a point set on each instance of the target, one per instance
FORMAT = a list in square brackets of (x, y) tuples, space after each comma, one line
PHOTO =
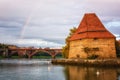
[(42, 69)]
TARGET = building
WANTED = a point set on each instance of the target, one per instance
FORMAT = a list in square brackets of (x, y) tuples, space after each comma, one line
[(92, 39)]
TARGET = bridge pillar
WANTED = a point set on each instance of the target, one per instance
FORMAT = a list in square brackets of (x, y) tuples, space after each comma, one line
[(29, 57), (53, 56)]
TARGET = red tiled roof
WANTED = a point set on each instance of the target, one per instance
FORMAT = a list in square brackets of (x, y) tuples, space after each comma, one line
[(91, 27)]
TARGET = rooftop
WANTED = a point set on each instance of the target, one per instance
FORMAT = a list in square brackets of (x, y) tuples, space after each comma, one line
[(91, 27)]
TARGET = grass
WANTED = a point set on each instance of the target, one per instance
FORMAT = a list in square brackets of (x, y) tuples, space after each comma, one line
[(44, 57), (1, 57), (41, 57), (34, 57), (15, 57)]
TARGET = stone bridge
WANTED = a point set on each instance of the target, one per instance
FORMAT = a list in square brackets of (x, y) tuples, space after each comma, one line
[(30, 52)]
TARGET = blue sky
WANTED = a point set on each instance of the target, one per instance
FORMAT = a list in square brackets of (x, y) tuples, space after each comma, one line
[(46, 23)]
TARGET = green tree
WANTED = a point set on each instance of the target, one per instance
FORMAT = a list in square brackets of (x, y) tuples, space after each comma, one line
[(65, 49), (117, 45), (3, 50)]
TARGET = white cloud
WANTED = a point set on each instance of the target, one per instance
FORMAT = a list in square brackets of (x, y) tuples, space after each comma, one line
[(113, 23), (51, 19), (38, 43), (31, 42)]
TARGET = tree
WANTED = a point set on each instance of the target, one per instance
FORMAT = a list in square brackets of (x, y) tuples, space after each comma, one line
[(3, 50), (117, 45), (65, 49)]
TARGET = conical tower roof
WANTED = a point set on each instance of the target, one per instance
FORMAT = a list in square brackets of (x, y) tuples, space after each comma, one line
[(91, 27)]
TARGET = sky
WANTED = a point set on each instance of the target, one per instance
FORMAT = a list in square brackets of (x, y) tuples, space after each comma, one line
[(46, 23)]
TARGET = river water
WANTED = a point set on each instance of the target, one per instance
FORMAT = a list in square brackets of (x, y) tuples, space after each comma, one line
[(36, 69)]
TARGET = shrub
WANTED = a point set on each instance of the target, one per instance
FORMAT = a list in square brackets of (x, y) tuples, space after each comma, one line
[(93, 56)]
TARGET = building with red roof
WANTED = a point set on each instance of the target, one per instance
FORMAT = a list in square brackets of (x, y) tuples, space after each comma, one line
[(92, 39)]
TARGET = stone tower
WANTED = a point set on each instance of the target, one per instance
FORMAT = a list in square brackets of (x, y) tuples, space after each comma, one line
[(92, 38)]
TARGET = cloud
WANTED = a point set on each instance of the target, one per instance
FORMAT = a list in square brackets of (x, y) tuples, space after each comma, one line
[(38, 42), (113, 23), (114, 27), (51, 19), (32, 42)]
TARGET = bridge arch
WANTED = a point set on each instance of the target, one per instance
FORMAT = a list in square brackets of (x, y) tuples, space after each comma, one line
[(38, 52), (31, 52), (19, 53)]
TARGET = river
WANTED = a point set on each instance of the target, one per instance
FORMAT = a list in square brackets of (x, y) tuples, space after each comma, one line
[(42, 69)]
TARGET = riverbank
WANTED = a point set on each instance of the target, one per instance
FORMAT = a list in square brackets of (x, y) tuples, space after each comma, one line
[(89, 62), (34, 57)]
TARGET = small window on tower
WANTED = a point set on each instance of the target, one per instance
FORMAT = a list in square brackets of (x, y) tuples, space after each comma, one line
[(95, 38)]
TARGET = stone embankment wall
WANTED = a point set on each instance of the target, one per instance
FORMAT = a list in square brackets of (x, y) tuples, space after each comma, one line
[(86, 62)]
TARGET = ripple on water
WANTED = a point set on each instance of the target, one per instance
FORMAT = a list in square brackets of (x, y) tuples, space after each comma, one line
[(25, 62), (33, 69)]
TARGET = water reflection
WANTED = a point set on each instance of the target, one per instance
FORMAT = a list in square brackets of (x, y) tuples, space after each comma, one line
[(36, 69), (90, 73)]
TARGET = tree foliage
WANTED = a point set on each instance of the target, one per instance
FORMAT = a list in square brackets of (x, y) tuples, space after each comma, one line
[(117, 44), (65, 49), (2, 46)]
